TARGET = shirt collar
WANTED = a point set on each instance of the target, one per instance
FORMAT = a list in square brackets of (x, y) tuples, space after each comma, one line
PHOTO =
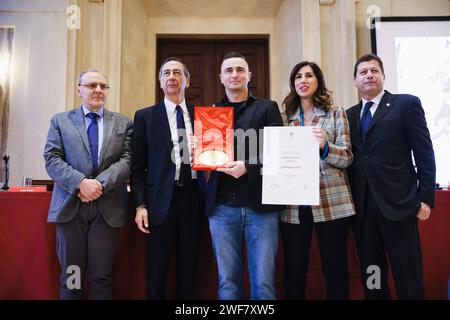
[(376, 100), (317, 111), (250, 98), (99, 112), (170, 106)]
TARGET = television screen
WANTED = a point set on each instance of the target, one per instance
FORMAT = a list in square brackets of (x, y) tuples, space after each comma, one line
[(416, 57)]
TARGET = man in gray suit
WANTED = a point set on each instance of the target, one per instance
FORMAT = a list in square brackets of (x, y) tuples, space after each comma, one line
[(88, 156)]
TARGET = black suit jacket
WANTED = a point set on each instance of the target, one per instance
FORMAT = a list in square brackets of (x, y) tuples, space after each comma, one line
[(383, 160), (259, 113), (152, 170)]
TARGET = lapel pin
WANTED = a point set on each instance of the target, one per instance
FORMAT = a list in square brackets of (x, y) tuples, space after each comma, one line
[(388, 104)]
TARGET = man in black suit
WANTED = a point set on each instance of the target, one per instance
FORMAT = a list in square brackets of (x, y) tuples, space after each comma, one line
[(233, 194), (164, 187), (390, 194)]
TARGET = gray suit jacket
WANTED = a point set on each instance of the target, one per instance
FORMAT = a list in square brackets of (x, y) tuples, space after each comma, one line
[(68, 159)]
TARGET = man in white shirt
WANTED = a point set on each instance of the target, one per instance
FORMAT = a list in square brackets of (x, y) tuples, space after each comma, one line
[(389, 194), (164, 187)]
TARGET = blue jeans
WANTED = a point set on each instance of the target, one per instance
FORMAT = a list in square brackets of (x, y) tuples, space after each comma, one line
[(228, 225)]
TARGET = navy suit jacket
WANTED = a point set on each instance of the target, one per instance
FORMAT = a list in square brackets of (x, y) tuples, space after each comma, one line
[(259, 113), (152, 170), (383, 159)]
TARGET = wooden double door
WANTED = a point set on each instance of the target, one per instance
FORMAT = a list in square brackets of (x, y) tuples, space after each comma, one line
[(203, 57)]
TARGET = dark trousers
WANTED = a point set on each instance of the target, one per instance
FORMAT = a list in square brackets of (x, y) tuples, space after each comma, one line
[(332, 239), (400, 239), (86, 243), (181, 226)]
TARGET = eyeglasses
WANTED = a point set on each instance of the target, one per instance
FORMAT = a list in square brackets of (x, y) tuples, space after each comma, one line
[(94, 86)]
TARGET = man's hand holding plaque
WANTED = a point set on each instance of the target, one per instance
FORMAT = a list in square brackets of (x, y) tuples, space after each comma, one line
[(213, 131)]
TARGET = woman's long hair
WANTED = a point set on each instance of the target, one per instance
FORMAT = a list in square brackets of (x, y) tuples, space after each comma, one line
[(322, 97)]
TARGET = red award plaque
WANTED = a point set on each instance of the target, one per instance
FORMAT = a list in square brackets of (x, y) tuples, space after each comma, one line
[(213, 128)]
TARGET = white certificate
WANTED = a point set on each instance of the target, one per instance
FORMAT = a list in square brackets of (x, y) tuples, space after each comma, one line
[(290, 166)]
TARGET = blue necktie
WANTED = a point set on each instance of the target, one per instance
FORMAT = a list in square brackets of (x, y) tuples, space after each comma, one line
[(93, 141), (185, 168), (366, 118)]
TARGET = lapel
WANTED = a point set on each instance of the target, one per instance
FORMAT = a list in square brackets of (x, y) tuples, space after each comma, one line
[(108, 125), (357, 117), (319, 117), (317, 120), (354, 118), (246, 118), (191, 115), (77, 117), (384, 107), (161, 117)]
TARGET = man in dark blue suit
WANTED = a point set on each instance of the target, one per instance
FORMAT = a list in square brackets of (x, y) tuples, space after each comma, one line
[(164, 187), (389, 191)]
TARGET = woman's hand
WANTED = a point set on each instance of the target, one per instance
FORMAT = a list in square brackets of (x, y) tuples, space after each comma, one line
[(321, 136)]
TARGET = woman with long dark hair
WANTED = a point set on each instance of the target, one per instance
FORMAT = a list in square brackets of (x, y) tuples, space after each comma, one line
[(309, 103)]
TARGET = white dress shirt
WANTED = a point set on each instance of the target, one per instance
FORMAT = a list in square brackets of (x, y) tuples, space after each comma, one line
[(172, 116), (376, 102)]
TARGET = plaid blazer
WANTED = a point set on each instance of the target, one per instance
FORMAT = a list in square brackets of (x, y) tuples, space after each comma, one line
[(335, 195)]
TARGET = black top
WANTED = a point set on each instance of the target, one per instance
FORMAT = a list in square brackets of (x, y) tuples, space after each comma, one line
[(255, 114), (234, 192)]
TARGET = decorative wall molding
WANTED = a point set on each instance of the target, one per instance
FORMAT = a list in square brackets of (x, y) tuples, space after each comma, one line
[(326, 2), (112, 50), (97, 44), (310, 18)]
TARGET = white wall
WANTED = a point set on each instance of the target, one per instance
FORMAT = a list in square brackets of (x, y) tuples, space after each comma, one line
[(38, 80), (393, 8), (287, 46), (136, 73)]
